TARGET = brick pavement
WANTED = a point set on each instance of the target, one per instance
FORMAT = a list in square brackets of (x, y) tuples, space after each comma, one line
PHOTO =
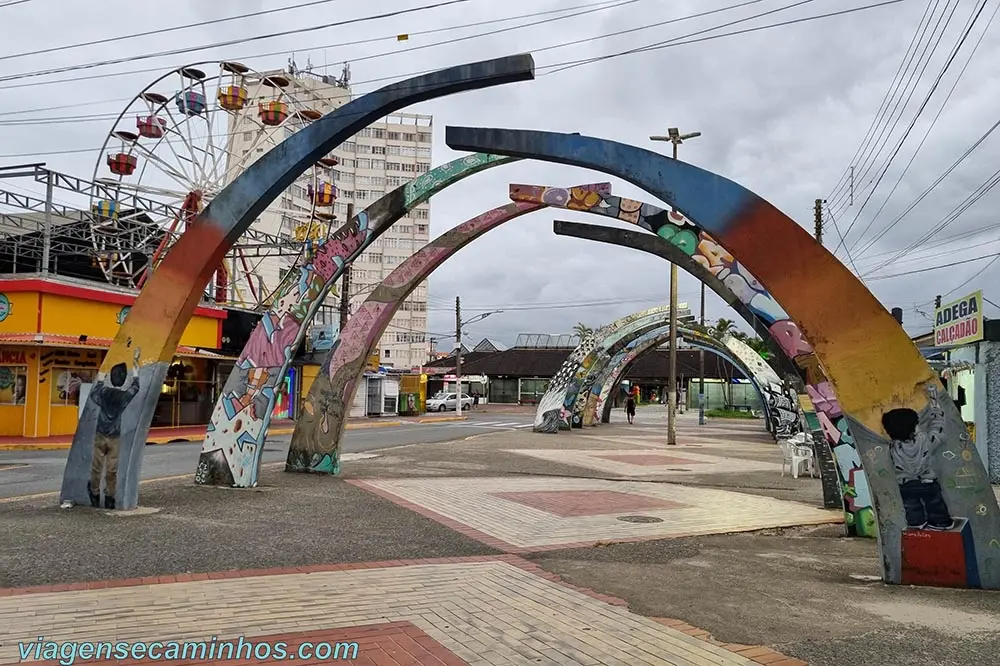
[(486, 611), (639, 463), (498, 511)]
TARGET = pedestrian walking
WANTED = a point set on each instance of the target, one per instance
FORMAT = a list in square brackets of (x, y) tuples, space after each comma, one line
[(630, 408), (475, 400)]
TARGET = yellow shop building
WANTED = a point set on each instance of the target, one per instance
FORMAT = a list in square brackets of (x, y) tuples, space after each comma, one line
[(54, 333)]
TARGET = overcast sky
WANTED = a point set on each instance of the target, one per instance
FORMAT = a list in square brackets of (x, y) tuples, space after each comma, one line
[(781, 111)]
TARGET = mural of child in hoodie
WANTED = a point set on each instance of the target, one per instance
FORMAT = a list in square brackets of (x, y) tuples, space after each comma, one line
[(912, 451)]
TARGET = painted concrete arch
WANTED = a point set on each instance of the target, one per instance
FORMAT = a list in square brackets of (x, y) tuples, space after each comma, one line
[(674, 254), (868, 358), (147, 340), (551, 411), (837, 482), (315, 442), (234, 442), (613, 371)]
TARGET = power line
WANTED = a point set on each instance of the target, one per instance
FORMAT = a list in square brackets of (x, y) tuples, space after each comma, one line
[(888, 109), (934, 268), (231, 42), (883, 105), (936, 117), (580, 10), (561, 66), (875, 154), (160, 31), (916, 116)]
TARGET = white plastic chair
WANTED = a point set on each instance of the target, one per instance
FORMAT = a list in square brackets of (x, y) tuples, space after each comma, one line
[(796, 452)]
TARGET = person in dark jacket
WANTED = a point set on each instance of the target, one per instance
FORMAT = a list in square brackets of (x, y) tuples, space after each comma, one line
[(630, 408)]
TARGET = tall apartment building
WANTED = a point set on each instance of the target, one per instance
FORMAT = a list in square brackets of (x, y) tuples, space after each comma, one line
[(378, 159)]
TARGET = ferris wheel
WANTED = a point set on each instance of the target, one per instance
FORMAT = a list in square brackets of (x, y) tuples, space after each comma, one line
[(175, 146)]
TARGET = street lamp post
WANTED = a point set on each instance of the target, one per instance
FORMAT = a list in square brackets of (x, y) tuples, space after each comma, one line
[(676, 138)]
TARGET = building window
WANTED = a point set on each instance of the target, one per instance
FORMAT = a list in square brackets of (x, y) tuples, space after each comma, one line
[(248, 136), (365, 132), (386, 353), (421, 228), (393, 150), (409, 136), (347, 162), (364, 149), (393, 166), (421, 213), (424, 137), (361, 194), (378, 150), (65, 390), (423, 167), (378, 133), (349, 146), (378, 165), (363, 163), (13, 384)]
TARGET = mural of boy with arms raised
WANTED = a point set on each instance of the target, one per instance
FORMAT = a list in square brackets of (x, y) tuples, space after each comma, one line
[(112, 394), (912, 451)]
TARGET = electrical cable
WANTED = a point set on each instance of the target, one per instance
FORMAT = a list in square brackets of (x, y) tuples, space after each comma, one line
[(574, 63), (934, 268), (888, 113), (916, 116), (883, 105), (231, 42), (160, 31), (887, 132), (927, 133)]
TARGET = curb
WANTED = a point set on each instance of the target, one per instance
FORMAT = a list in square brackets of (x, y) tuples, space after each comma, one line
[(62, 446)]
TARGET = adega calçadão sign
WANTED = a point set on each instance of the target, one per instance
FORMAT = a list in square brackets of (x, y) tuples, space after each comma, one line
[(959, 322)]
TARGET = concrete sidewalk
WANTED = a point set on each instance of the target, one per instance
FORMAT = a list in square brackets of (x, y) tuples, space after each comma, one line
[(197, 433)]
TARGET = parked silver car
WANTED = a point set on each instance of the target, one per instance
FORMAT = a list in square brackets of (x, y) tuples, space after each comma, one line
[(443, 402)]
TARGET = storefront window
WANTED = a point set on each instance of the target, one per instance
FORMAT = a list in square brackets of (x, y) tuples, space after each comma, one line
[(13, 384), (65, 390), (283, 397)]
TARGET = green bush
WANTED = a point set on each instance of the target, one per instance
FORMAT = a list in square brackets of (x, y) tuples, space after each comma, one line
[(728, 414)]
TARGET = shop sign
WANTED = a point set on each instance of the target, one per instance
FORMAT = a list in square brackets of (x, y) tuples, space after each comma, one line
[(13, 357), (959, 322), (373, 363), (6, 307)]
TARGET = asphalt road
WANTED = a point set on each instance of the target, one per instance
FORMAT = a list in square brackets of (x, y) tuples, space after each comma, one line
[(41, 471)]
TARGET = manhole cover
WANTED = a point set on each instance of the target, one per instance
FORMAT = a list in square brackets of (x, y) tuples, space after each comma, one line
[(640, 519)]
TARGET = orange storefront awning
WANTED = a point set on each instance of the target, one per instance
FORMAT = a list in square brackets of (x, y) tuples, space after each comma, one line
[(86, 342)]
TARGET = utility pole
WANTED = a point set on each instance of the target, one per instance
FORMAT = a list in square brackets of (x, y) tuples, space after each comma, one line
[(458, 354), (675, 137), (818, 210), (345, 283), (701, 365)]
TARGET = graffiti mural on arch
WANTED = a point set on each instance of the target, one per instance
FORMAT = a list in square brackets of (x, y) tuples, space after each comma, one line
[(315, 444), (551, 413), (928, 506), (120, 407), (234, 441), (780, 402)]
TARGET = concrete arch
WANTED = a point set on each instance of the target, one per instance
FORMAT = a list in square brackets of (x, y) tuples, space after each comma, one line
[(655, 245), (866, 355), (555, 409), (315, 442), (234, 441), (148, 338), (619, 365), (834, 484)]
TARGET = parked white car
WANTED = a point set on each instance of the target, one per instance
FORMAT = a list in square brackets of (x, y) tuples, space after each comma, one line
[(442, 402)]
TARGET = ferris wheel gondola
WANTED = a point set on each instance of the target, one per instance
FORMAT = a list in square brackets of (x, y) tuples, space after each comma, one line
[(193, 135)]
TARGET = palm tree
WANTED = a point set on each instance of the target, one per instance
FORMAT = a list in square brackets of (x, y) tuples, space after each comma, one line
[(721, 327), (582, 330)]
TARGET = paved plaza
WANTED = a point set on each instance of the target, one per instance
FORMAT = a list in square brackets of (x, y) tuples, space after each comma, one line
[(534, 514), (497, 546), (488, 612)]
